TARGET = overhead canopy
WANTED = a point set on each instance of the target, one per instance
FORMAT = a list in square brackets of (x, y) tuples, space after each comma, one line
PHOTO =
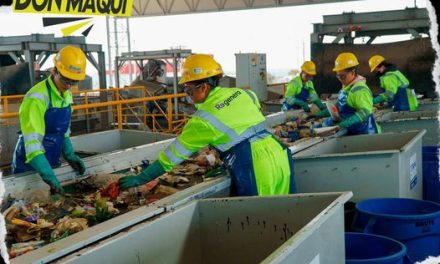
[(174, 7)]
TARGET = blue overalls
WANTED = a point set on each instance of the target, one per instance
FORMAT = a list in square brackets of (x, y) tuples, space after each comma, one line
[(57, 121), (345, 111), (303, 96), (400, 100), (238, 161)]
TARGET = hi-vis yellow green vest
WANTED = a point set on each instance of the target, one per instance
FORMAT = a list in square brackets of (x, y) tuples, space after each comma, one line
[(32, 111), (295, 88), (222, 121), (231, 121)]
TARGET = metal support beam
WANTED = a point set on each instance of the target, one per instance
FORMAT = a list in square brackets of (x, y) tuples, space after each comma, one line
[(414, 33), (15, 58), (29, 56), (412, 21), (370, 40), (109, 51), (338, 38), (26, 48), (176, 108)]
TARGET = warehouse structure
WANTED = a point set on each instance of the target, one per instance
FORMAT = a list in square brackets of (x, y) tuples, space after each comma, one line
[(366, 197)]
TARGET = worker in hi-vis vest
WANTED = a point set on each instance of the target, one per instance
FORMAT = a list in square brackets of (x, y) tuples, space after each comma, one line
[(394, 85), (300, 89), (355, 101), (230, 120), (45, 120)]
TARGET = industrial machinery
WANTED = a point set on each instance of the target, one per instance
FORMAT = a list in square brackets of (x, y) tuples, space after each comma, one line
[(23, 57), (352, 28), (153, 67), (251, 73)]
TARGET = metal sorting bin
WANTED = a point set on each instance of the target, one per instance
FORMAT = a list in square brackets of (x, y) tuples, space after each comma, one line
[(371, 166), (417, 120), (111, 140), (428, 104), (271, 229), (219, 187)]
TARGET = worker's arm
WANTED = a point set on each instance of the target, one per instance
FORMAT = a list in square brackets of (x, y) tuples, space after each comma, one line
[(323, 113), (32, 125), (69, 154), (291, 89), (42, 166), (32, 111), (361, 100), (390, 84), (295, 101), (254, 98), (196, 135), (315, 99)]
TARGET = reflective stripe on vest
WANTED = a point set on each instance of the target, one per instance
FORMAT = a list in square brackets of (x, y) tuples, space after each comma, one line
[(402, 83), (235, 138), (180, 148), (251, 96), (33, 136), (39, 96), (33, 147)]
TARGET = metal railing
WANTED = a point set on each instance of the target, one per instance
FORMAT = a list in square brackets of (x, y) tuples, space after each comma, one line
[(153, 113)]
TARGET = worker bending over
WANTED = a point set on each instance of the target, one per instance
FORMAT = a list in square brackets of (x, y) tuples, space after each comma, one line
[(45, 120), (394, 85), (230, 120), (300, 89), (355, 101)]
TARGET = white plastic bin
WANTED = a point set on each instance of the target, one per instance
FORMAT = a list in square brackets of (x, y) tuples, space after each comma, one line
[(371, 166), (272, 229)]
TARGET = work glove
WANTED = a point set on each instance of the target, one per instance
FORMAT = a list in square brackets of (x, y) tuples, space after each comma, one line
[(316, 125), (69, 154), (352, 120), (150, 173), (319, 104), (323, 113), (378, 99), (290, 100), (327, 122), (303, 105), (42, 166)]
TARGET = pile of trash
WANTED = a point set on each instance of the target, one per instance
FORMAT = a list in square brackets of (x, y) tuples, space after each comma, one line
[(43, 218), (297, 129)]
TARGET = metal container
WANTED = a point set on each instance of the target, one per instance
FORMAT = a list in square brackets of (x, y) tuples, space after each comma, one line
[(371, 166), (428, 104), (274, 105), (417, 120), (272, 229), (111, 140)]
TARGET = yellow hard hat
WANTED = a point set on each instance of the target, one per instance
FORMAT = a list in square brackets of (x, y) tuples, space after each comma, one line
[(70, 62), (374, 61), (345, 60), (309, 67), (198, 67)]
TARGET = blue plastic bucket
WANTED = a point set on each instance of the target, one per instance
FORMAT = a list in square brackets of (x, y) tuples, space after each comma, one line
[(367, 248), (431, 178), (415, 223)]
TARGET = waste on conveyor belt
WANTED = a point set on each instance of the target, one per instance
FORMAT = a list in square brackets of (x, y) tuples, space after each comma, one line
[(300, 128), (43, 218)]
